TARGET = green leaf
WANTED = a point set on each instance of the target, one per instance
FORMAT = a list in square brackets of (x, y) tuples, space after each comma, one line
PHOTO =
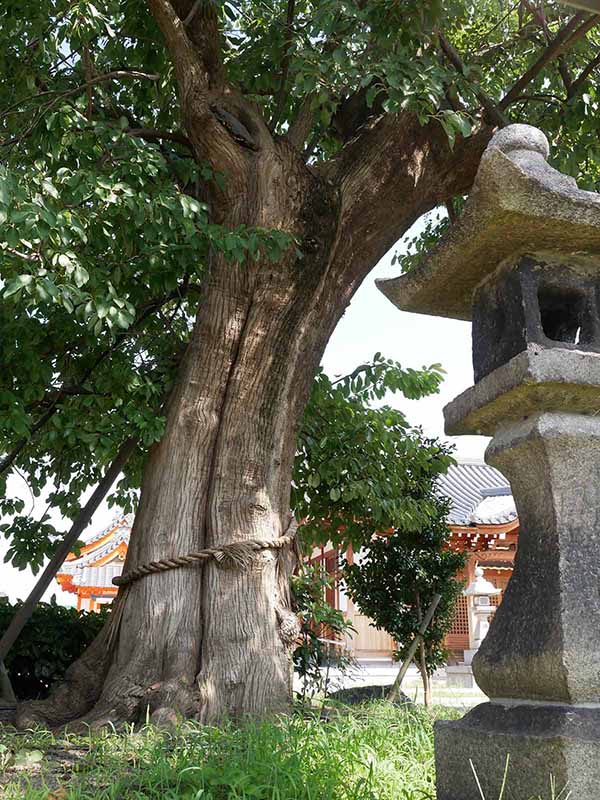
[(50, 188), (80, 275), (14, 286), (123, 321)]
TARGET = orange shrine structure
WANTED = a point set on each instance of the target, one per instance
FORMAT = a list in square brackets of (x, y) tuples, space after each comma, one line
[(482, 518), (89, 573)]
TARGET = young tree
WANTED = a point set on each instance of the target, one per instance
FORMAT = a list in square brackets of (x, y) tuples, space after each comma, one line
[(396, 580), (260, 157), (359, 470)]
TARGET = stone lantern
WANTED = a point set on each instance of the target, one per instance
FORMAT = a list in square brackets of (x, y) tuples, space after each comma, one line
[(523, 263), (478, 593)]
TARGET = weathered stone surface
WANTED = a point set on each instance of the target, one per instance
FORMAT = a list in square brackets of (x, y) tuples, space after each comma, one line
[(535, 380), (518, 205), (524, 262), (544, 743), (544, 642)]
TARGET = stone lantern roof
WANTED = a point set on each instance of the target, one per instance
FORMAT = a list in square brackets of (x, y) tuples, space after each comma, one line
[(519, 204), (480, 586)]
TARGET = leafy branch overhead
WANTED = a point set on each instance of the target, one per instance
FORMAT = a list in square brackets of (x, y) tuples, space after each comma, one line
[(362, 470)]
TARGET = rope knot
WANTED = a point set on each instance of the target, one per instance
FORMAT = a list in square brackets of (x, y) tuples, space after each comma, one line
[(237, 555)]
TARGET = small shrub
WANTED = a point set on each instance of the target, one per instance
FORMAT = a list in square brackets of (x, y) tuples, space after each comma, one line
[(53, 638), (322, 632)]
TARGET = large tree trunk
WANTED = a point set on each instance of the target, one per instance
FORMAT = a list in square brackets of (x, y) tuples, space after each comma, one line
[(203, 640)]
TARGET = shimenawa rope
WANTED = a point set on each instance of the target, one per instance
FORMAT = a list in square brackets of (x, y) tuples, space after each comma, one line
[(238, 555)]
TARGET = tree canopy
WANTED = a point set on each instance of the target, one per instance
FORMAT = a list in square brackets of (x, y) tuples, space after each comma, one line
[(105, 228), (361, 470)]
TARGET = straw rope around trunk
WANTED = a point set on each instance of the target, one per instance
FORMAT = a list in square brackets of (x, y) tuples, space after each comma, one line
[(238, 555)]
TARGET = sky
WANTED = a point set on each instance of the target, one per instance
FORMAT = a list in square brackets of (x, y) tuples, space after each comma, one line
[(371, 324)]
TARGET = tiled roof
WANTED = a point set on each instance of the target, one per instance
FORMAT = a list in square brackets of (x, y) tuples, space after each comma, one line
[(121, 520), (480, 495), (122, 534)]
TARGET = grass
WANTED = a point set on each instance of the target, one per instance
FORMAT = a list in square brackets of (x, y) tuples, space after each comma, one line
[(370, 752)]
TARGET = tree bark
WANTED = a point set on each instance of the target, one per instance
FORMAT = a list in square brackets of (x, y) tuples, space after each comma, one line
[(204, 641), (422, 663)]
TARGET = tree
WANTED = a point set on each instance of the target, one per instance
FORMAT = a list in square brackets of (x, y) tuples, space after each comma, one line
[(320, 625), (395, 581), (247, 163)]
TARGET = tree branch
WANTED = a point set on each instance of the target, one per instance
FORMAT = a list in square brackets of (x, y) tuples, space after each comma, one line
[(578, 83), (188, 67), (80, 523), (400, 168), (492, 111), (154, 135), (301, 127), (563, 67), (201, 23), (192, 13), (562, 42), (405, 168), (285, 64)]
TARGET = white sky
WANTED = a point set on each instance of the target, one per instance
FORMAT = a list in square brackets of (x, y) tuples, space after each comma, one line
[(371, 324)]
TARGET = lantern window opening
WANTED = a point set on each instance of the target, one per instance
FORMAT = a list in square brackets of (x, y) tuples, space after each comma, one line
[(562, 315)]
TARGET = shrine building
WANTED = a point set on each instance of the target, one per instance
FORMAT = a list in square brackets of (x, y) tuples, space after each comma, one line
[(89, 574), (483, 521)]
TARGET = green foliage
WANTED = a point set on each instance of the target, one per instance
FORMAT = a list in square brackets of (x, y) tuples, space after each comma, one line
[(362, 471), (376, 752), (320, 626), (52, 639), (385, 49), (499, 43), (396, 578), (418, 246), (359, 469)]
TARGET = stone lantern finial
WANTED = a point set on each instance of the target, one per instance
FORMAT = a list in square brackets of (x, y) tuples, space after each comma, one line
[(523, 263), (480, 586)]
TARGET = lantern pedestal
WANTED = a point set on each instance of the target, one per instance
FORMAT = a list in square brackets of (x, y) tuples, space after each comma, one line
[(539, 662), (546, 745)]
